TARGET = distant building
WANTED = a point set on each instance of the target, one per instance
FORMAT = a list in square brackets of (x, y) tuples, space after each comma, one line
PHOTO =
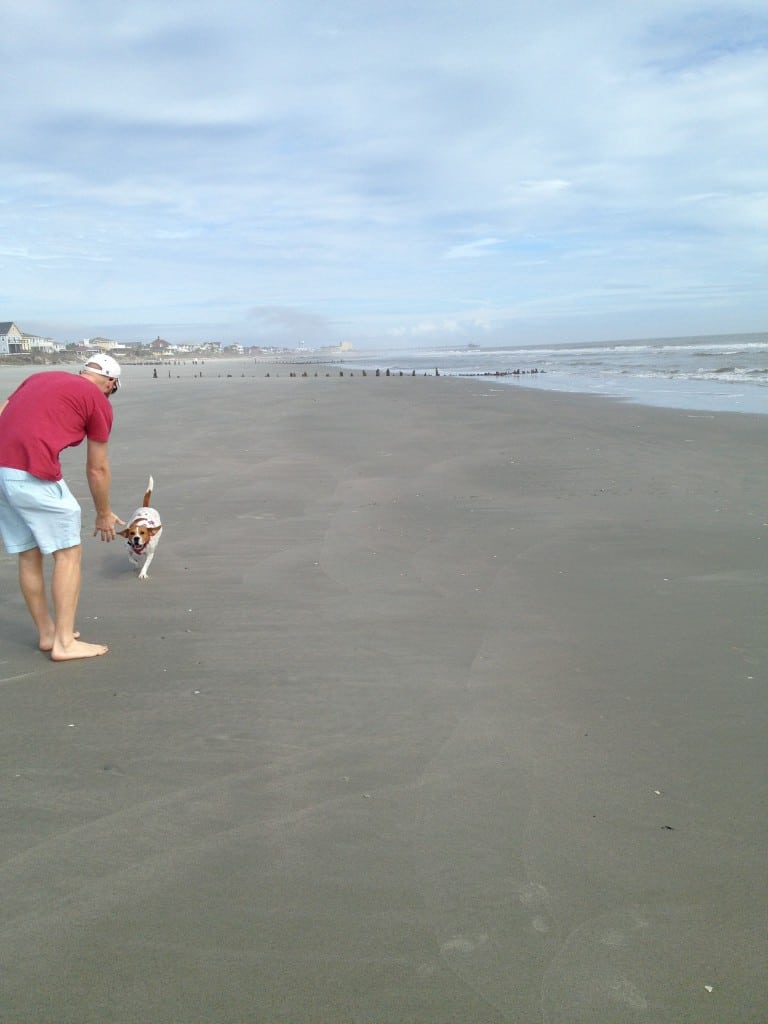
[(15, 342), (38, 344), (100, 344), (343, 346), (11, 338)]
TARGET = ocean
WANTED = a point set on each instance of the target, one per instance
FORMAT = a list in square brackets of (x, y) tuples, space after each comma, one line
[(727, 373), (724, 373)]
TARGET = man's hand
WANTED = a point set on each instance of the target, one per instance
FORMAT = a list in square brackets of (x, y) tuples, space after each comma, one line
[(105, 525)]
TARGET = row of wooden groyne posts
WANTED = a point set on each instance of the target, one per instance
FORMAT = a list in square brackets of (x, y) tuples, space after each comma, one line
[(401, 373)]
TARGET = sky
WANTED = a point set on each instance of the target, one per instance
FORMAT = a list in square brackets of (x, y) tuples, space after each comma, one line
[(387, 173)]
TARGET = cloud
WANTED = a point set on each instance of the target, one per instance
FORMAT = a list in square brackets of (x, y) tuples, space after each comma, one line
[(473, 250), (545, 188), (281, 325)]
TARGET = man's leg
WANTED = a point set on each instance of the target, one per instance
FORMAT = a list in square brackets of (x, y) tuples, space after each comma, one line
[(32, 583), (65, 588)]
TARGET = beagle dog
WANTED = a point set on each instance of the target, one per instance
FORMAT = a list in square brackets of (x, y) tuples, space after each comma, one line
[(143, 534)]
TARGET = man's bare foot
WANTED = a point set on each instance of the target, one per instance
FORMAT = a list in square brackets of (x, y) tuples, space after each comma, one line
[(46, 643), (77, 649)]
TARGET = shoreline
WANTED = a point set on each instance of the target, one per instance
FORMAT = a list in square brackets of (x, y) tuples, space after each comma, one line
[(691, 396), (539, 382)]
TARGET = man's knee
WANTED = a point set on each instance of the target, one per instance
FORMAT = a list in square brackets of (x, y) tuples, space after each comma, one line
[(29, 554), (68, 555), (30, 564)]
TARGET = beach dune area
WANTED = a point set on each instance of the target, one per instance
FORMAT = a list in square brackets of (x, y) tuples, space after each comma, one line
[(444, 703)]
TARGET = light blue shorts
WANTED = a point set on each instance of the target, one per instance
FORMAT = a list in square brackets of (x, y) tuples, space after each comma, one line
[(37, 513)]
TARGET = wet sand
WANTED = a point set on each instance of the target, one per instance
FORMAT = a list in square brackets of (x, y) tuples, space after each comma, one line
[(445, 702)]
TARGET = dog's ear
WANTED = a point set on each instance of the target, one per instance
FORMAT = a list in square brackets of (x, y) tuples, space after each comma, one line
[(152, 530), (122, 533)]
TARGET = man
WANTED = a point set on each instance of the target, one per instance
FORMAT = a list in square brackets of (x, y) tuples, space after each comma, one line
[(38, 513)]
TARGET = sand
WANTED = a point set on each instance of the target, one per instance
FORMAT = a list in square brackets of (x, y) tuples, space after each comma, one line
[(445, 701)]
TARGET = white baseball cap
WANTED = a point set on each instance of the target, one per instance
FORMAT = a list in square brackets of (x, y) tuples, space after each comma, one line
[(104, 365)]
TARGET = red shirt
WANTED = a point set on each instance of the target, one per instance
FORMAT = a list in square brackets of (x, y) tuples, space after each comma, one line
[(47, 413)]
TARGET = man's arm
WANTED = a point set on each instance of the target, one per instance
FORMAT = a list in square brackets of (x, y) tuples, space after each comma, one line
[(99, 478), (3, 406)]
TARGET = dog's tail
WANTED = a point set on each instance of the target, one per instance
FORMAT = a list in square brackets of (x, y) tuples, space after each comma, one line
[(148, 494)]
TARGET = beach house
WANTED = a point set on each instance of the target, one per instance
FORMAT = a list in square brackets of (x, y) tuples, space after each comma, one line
[(16, 342), (11, 339)]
